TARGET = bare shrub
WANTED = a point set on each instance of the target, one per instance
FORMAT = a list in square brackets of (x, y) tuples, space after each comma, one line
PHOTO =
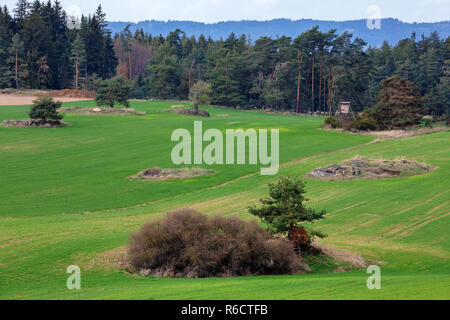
[(189, 244)]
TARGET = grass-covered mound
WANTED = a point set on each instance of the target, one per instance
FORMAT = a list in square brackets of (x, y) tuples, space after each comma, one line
[(173, 174), (187, 244), (362, 168)]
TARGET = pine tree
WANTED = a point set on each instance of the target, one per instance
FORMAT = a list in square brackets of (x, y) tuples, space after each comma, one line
[(36, 37), (127, 47), (5, 41), (17, 68), (78, 59), (284, 211), (113, 91)]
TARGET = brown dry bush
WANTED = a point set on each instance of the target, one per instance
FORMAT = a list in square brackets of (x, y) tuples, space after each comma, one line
[(189, 244)]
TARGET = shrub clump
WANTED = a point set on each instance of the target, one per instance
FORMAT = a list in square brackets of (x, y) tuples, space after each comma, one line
[(187, 244), (366, 123), (332, 122)]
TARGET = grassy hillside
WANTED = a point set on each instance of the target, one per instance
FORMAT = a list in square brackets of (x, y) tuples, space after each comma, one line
[(66, 198)]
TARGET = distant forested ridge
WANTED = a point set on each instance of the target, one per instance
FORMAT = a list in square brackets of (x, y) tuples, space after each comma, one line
[(311, 71), (392, 30)]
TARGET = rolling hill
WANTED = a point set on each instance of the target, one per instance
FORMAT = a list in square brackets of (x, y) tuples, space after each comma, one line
[(66, 198)]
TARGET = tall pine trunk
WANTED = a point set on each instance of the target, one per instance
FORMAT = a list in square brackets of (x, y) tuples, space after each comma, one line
[(77, 70), (17, 69), (299, 81), (312, 87), (130, 64)]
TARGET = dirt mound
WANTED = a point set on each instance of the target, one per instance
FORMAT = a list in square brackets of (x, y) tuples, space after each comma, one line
[(189, 112), (72, 93), (32, 123), (173, 174), (104, 111), (361, 168)]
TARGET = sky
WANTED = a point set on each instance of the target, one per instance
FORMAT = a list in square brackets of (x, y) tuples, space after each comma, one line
[(224, 10)]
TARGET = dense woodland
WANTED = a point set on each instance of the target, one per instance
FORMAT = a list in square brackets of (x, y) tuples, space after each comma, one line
[(310, 73), (39, 51)]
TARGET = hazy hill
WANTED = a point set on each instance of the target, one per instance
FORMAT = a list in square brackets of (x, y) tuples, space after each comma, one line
[(391, 30)]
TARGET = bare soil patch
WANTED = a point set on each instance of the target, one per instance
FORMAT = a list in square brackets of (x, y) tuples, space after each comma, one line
[(362, 168), (22, 100), (71, 93), (172, 174), (398, 134), (393, 134), (354, 260), (103, 111)]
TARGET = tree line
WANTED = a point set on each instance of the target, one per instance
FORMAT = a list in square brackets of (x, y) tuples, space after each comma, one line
[(313, 72), (38, 50), (310, 73)]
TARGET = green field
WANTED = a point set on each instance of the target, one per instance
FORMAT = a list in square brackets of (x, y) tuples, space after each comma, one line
[(66, 198)]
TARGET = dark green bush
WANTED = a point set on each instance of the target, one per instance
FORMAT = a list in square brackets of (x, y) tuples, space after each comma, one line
[(113, 91), (428, 122), (45, 110)]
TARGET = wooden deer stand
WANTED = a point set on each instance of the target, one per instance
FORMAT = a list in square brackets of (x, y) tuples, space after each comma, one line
[(345, 110)]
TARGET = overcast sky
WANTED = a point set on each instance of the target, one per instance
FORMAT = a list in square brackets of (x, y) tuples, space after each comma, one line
[(222, 10)]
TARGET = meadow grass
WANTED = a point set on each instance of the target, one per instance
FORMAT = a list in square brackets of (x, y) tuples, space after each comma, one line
[(66, 198)]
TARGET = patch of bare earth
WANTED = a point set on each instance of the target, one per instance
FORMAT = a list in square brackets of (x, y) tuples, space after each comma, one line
[(394, 134), (116, 259), (15, 99), (172, 174), (103, 111), (362, 168), (399, 134), (352, 259)]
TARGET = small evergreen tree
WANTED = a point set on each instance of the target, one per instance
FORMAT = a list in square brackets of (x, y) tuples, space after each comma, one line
[(113, 91), (200, 94), (285, 208), (44, 109)]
